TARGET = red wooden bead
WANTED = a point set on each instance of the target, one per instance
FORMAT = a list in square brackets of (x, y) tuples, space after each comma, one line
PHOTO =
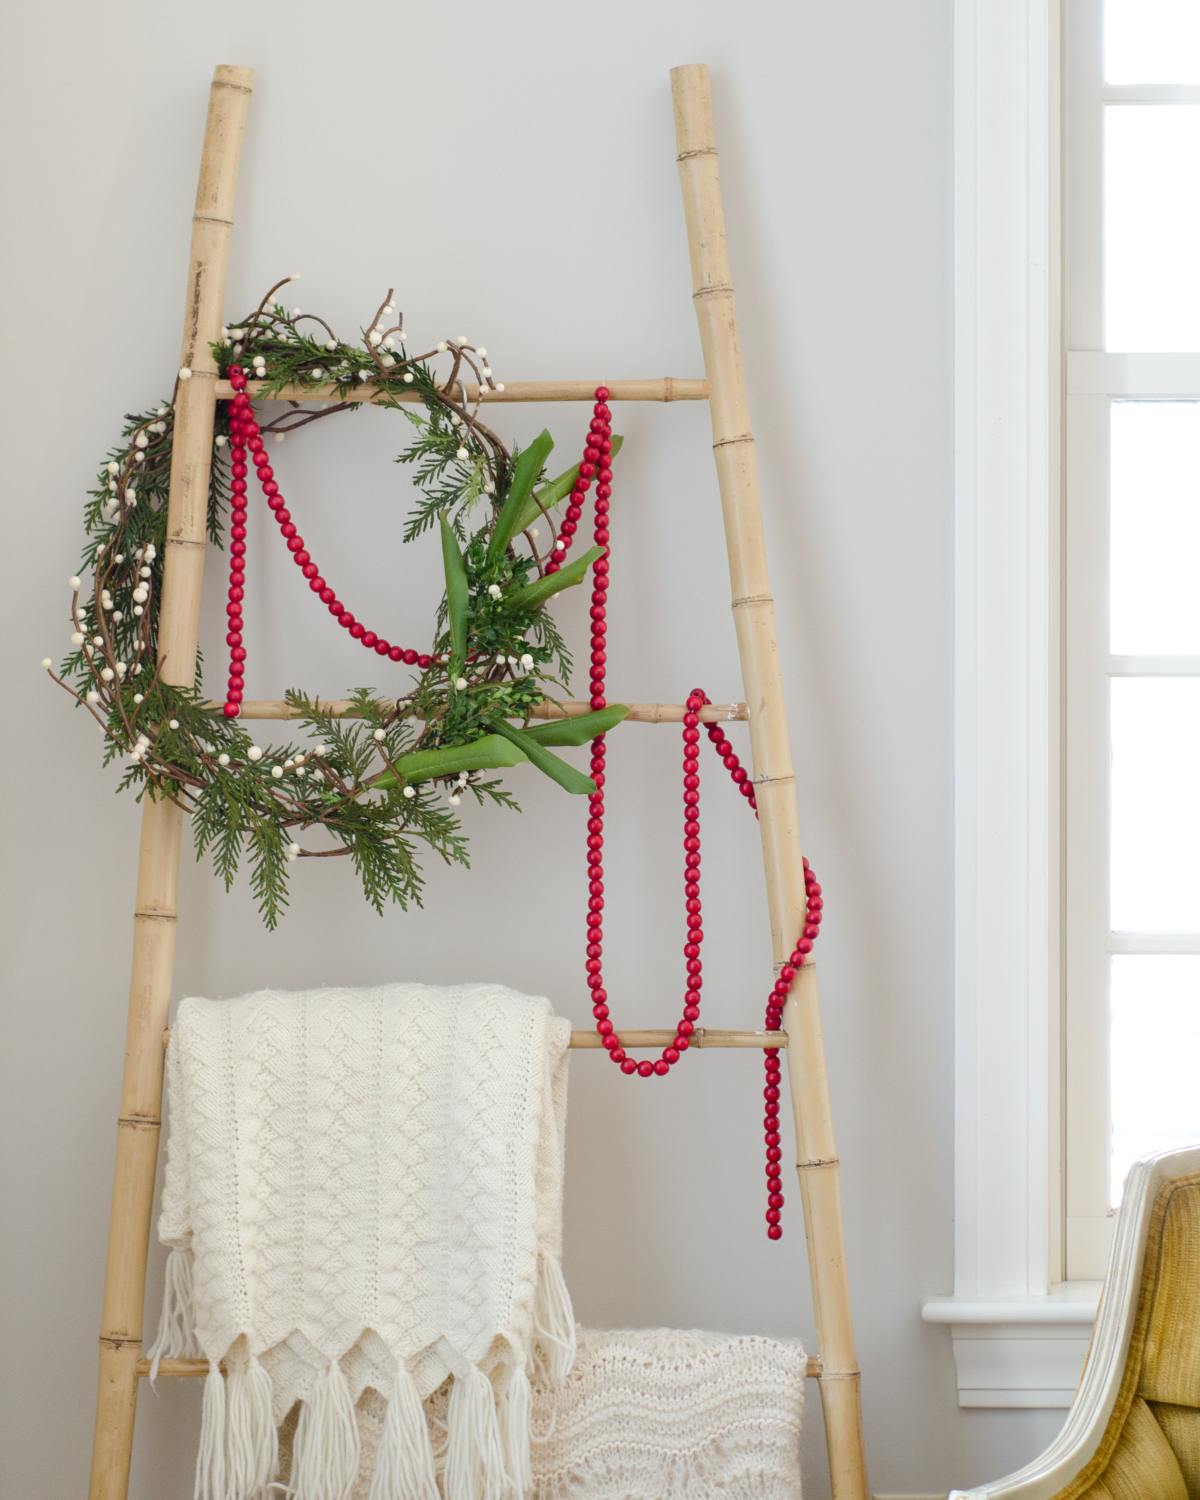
[(645, 1069), (629, 1066), (423, 662), (662, 1068), (774, 1232)]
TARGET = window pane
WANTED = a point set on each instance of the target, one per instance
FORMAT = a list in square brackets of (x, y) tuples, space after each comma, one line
[(1152, 226), (1155, 860), (1155, 1067), (1154, 492), (1152, 41)]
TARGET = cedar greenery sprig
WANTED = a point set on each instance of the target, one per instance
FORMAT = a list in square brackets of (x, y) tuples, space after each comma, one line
[(368, 780)]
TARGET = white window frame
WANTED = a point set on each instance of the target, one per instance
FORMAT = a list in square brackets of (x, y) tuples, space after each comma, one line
[(1094, 379), (1019, 1330)]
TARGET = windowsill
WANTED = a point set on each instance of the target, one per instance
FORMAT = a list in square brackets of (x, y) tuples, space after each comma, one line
[(1019, 1351)]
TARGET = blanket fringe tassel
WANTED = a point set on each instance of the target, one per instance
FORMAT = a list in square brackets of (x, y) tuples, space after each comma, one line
[(518, 1431), (210, 1463), (553, 1324), (475, 1467), (251, 1438), (176, 1336), (404, 1468), (327, 1447)]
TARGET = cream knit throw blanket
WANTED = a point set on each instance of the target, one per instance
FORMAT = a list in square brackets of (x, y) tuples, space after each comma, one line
[(647, 1414), (364, 1188)]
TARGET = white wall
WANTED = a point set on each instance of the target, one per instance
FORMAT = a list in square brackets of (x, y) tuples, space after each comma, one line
[(510, 168)]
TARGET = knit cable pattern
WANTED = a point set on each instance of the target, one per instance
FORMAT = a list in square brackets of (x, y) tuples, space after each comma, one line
[(365, 1186)]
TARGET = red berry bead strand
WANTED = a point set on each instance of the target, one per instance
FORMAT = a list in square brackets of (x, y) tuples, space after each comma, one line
[(240, 415), (247, 437), (597, 461), (782, 988)]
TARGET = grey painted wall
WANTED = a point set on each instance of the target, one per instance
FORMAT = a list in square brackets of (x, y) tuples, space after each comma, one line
[(510, 168)]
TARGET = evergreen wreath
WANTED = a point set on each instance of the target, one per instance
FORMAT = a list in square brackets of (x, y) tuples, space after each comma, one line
[(372, 780)]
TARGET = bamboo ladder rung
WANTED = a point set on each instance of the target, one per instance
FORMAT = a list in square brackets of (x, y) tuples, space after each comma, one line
[(197, 1369), (666, 389), (701, 1037), (639, 713), (586, 1041)]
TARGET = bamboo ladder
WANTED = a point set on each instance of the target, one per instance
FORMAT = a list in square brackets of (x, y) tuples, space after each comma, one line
[(138, 1126)]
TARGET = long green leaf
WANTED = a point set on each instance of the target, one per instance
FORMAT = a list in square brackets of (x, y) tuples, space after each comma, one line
[(576, 731), (535, 594), (553, 493), (558, 770), (528, 466), (486, 754), (458, 597)]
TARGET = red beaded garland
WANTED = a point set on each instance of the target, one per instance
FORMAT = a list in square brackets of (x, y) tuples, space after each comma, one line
[(596, 461), (246, 436)]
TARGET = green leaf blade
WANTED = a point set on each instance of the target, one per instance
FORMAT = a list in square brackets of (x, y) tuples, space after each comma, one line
[(567, 776), (489, 753), (579, 730), (528, 466), (458, 597), (534, 595), (553, 493)]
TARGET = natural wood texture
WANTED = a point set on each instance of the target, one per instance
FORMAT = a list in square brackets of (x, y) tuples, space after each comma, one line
[(701, 1037), (774, 782), (666, 389), (158, 861), (639, 713), (196, 1369)]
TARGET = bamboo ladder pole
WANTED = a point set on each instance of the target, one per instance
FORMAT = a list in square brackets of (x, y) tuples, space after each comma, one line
[(774, 782), (158, 859)]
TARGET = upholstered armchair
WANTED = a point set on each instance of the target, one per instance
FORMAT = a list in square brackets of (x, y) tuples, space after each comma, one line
[(1133, 1430)]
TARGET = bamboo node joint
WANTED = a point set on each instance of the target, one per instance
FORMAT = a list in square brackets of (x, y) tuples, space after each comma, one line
[(742, 437), (820, 1161)]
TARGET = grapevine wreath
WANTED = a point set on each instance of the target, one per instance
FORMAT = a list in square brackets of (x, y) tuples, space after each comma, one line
[(372, 780)]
